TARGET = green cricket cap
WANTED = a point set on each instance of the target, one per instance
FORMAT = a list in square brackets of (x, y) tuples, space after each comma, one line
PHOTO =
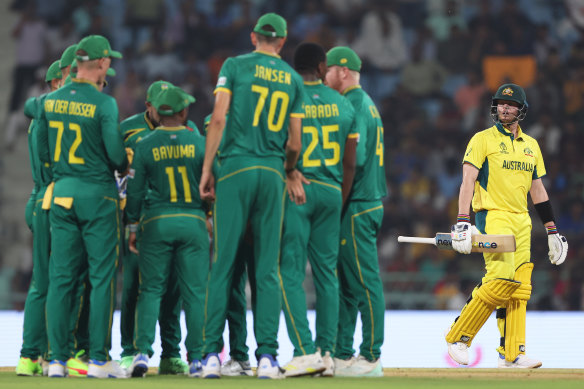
[(343, 56), (74, 68), (54, 71), (172, 100), (68, 56), (277, 22), (96, 46), (511, 92), (111, 72), (155, 88)]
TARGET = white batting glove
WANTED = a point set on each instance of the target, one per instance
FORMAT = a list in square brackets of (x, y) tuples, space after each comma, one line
[(461, 234), (558, 245)]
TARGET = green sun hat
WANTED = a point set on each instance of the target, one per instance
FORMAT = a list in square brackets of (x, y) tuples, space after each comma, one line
[(96, 46), (155, 88), (274, 20), (343, 56), (172, 100), (68, 56), (54, 71)]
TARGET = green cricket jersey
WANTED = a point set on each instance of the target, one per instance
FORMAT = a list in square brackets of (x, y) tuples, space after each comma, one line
[(329, 119), (41, 172), (167, 166), (78, 133), (369, 183), (266, 92)]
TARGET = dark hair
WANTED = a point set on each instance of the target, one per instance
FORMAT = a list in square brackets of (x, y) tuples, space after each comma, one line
[(265, 38), (308, 56)]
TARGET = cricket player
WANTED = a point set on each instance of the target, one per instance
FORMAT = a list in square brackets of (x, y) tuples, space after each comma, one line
[(359, 281), (327, 163), (34, 337), (67, 59), (501, 166), (165, 177), (78, 133), (134, 129), (263, 95)]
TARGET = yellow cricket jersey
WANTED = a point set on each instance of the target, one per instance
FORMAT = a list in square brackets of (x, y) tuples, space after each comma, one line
[(507, 167)]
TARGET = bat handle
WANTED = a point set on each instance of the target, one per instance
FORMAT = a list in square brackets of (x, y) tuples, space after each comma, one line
[(416, 239)]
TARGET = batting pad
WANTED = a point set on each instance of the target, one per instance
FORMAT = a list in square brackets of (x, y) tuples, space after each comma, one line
[(516, 312), (476, 312)]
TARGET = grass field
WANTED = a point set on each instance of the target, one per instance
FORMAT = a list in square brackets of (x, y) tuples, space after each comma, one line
[(394, 378)]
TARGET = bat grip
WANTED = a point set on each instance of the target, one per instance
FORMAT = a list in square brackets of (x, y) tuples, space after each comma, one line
[(415, 239)]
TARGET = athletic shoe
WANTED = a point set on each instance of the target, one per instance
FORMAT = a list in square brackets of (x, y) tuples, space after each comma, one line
[(211, 366), (57, 369), (28, 367), (82, 356), (174, 366), (304, 365), (126, 362), (233, 368), (76, 367), (521, 362), (362, 367), (195, 368), (458, 351), (268, 368), (45, 366), (105, 369), (329, 365), (342, 365), (139, 366)]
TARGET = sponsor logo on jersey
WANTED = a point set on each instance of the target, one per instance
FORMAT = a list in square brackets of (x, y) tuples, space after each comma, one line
[(222, 81)]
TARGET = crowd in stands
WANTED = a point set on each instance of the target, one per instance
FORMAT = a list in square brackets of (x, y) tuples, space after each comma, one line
[(430, 65)]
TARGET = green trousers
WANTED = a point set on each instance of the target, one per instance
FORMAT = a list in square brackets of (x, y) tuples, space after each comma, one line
[(170, 309), (30, 208), (79, 320), (312, 231), (34, 337), (85, 232), (247, 189), (360, 287), (172, 240)]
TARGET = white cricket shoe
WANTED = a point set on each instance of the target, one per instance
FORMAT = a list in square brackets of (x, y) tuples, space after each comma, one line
[(139, 366), (521, 362), (211, 366), (195, 369), (235, 368), (106, 369), (57, 369), (329, 365), (362, 367), (304, 365), (268, 368), (342, 365), (458, 351)]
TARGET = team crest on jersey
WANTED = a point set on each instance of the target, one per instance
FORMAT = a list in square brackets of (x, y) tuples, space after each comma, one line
[(73, 91), (173, 136), (527, 151), (315, 96), (272, 62), (503, 148), (507, 92)]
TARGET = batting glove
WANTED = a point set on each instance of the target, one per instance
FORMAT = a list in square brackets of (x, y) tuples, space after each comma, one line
[(558, 246), (461, 234)]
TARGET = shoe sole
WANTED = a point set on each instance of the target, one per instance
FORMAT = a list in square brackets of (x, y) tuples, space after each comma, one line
[(455, 360), (211, 375), (139, 371), (306, 372)]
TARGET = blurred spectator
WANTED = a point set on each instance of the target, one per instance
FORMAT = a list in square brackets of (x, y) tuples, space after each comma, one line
[(449, 50), (143, 15), (422, 77), (443, 16), (548, 134), (308, 23), (468, 99)]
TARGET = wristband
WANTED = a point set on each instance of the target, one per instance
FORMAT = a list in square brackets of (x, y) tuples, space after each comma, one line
[(290, 169), (551, 229), (133, 227), (545, 212), (463, 218)]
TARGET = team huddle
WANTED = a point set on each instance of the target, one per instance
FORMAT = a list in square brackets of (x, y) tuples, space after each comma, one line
[(287, 169)]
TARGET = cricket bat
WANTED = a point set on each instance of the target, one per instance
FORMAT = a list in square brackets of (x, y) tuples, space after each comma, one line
[(480, 243)]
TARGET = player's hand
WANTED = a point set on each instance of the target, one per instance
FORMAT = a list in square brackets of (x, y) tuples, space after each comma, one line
[(132, 243), (295, 187), (558, 245), (461, 234), (207, 186)]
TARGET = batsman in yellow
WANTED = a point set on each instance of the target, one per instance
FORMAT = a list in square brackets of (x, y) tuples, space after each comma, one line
[(501, 165)]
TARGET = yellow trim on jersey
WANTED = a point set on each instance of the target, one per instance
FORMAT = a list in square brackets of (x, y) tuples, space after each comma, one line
[(297, 115), (325, 184), (251, 168), (173, 215), (222, 89), (174, 128), (350, 89), (148, 121), (313, 82), (359, 269), (84, 81), (267, 53), (354, 135), (132, 132)]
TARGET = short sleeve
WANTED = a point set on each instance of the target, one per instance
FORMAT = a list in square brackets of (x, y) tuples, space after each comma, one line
[(226, 77), (539, 170), (475, 153)]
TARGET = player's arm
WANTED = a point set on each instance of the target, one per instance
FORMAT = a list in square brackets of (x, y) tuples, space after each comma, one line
[(213, 139), (462, 231), (469, 176), (294, 179), (135, 196), (112, 138), (42, 133), (349, 163)]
